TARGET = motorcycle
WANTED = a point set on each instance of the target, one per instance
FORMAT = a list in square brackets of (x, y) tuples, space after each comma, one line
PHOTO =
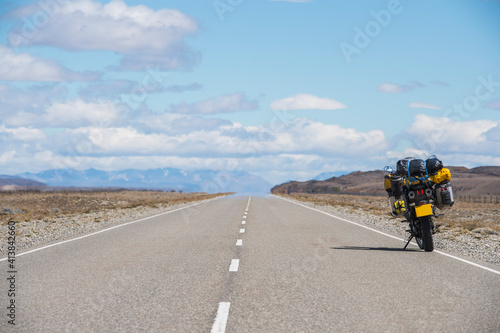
[(415, 194)]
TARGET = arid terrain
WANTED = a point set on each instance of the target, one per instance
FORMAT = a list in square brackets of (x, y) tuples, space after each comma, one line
[(42, 217), (463, 216), (31, 205)]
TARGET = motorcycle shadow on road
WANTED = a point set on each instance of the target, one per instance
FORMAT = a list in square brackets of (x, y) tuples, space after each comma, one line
[(368, 248)]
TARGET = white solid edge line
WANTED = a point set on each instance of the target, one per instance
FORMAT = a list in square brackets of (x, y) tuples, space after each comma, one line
[(383, 233), (235, 263), (111, 228), (220, 322), (239, 242)]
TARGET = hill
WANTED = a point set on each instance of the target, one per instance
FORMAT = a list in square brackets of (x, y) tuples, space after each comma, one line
[(8, 183), (483, 180)]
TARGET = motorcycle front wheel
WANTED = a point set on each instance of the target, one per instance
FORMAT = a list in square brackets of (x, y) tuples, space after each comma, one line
[(426, 233)]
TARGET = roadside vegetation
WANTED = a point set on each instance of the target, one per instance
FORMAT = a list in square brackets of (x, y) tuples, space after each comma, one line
[(25, 206), (467, 217)]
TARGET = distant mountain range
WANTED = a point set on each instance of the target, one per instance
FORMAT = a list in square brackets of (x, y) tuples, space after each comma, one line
[(476, 181), (164, 179)]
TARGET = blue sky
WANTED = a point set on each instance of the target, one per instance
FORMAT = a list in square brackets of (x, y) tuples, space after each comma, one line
[(282, 89)]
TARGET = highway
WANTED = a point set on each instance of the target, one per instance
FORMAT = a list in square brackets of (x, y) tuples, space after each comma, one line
[(248, 264)]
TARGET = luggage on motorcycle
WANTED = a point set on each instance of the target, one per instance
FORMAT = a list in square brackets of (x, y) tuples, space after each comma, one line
[(441, 176), (444, 196), (416, 168), (387, 183), (396, 185), (402, 166), (433, 165), (398, 206)]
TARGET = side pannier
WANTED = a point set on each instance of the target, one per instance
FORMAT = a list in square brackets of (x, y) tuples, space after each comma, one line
[(388, 184), (444, 196)]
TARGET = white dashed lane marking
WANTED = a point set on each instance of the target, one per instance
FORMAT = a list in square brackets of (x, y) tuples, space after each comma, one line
[(220, 322), (235, 263)]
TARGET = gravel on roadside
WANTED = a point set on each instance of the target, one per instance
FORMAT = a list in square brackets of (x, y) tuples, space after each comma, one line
[(36, 233), (484, 247)]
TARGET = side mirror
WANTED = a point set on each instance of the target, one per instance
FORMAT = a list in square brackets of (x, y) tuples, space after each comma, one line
[(388, 169)]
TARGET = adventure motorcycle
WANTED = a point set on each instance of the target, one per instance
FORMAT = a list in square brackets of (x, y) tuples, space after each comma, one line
[(415, 190)]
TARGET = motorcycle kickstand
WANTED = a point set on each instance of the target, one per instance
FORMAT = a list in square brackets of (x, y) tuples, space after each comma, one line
[(408, 242)]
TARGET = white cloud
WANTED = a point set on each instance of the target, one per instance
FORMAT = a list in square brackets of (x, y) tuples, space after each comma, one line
[(145, 37), (26, 67), (307, 136), (493, 134), (77, 113), (14, 102), (68, 114), (419, 105), (301, 136), (23, 133), (221, 104), (306, 102), (444, 135), (399, 88), (174, 124), (396, 155)]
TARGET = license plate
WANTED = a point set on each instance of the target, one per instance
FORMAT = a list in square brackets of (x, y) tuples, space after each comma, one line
[(424, 210)]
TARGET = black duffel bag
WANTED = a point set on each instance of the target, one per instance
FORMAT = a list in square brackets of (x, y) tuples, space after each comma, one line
[(417, 168), (402, 166), (433, 165)]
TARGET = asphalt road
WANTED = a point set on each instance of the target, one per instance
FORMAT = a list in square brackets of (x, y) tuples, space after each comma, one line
[(279, 268)]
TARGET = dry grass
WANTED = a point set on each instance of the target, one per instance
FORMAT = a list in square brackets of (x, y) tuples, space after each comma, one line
[(27, 206), (468, 216)]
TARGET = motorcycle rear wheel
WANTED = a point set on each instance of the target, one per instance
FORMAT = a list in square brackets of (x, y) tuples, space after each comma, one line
[(426, 230)]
